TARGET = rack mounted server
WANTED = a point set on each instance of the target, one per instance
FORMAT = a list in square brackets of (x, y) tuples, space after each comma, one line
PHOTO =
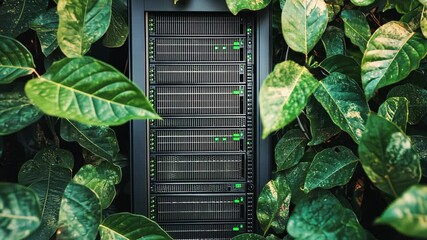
[(198, 171)]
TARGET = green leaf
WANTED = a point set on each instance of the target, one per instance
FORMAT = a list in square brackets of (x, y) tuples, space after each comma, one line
[(236, 6), (295, 177), (303, 23), (423, 2), (49, 174), (423, 22), (333, 10), (408, 213), (123, 226), (100, 140), (344, 101), (362, 2), (342, 64), (393, 51), (387, 156), (419, 144), (404, 6), (413, 18), (118, 31), (46, 26), (80, 214), (19, 212), (81, 23), (248, 236), (88, 91), (356, 27), (330, 168), (395, 110), (15, 61), (284, 94), (273, 205), (101, 179), (333, 41), (290, 149), (16, 111), (417, 98), (15, 15)]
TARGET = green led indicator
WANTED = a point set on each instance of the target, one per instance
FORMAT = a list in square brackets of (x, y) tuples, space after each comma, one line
[(241, 199), (236, 135), (236, 47), (238, 185), (236, 43), (236, 92), (216, 47), (236, 229), (216, 139), (224, 47), (236, 201), (241, 226), (224, 139), (236, 139)]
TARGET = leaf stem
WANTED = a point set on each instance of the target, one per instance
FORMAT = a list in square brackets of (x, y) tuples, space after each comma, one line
[(387, 178), (301, 126)]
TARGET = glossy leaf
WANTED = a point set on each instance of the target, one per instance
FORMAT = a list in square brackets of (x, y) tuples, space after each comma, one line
[(100, 140), (404, 6), (395, 110), (333, 10), (248, 236), (344, 101), (295, 177), (15, 15), (393, 51), (362, 2), (88, 91), (333, 41), (101, 179), (81, 23), (423, 22), (419, 144), (118, 30), (80, 214), (15, 61), (330, 168), (273, 205), (46, 26), (124, 226), (356, 27), (417, 98), (236, 6), (408, 213), (284, 94), (290, 149), (303, 23), (413, 18), (342, 64), (19, 212), (387, 156), (16, 111)]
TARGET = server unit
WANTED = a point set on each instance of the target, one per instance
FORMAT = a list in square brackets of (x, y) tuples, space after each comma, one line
[(197, 172)]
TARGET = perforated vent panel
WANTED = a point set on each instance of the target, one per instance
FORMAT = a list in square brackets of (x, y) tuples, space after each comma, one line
[(205, 231)]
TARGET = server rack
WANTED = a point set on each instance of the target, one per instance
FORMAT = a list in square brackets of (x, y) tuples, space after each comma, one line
[(198, 171)]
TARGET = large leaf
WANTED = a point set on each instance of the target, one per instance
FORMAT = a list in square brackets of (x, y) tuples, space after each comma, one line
[(417, 98), (124, 226), (295, 177), (395, 109), (80, 213), (16, 111), (118, 30), (362, 2), (387, 156), (330, 168), (342, 64), (236, 6), (16, 60), (333, 40), (423, 22), (49, 174), (284, 95), (290, 149), (15, 15), (101, 179), (408, 213), (419, 144), (99, 140), (303, 23), (46, 26), (81, 23), (423, 2), (393, 51), (273, 205), (248, 236), (19, 212), (344, 101), (356, 27), (88, 91)]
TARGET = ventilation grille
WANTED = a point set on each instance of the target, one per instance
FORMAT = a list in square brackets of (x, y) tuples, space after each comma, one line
[(199, 167), (196, 187), (200, 122), (205, 231)]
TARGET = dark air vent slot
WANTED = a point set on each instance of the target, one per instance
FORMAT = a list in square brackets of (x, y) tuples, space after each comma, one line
[(197, 187), (205, 231), (200, 122)]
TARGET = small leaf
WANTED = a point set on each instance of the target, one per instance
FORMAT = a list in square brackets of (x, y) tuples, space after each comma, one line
[(16, 111), (344, 101), (80, 213), (362, 2), (295, 177), (100, 140), (88, 91), (81, 23), (290, 149), (303, 23), (248, 236), (19, 212), (118, 30), (417, 98), (101, 179), (330, 168), (395, 110), (284, 94), (393, 51), (408, 213), (387, 156), (419, 144), (356, 27), (403, 7), (342, 64), (123, 226), (413, 18), (423, 22), (236, 6), (333, 41), (15, 61), (273, 205), (46, 26)]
